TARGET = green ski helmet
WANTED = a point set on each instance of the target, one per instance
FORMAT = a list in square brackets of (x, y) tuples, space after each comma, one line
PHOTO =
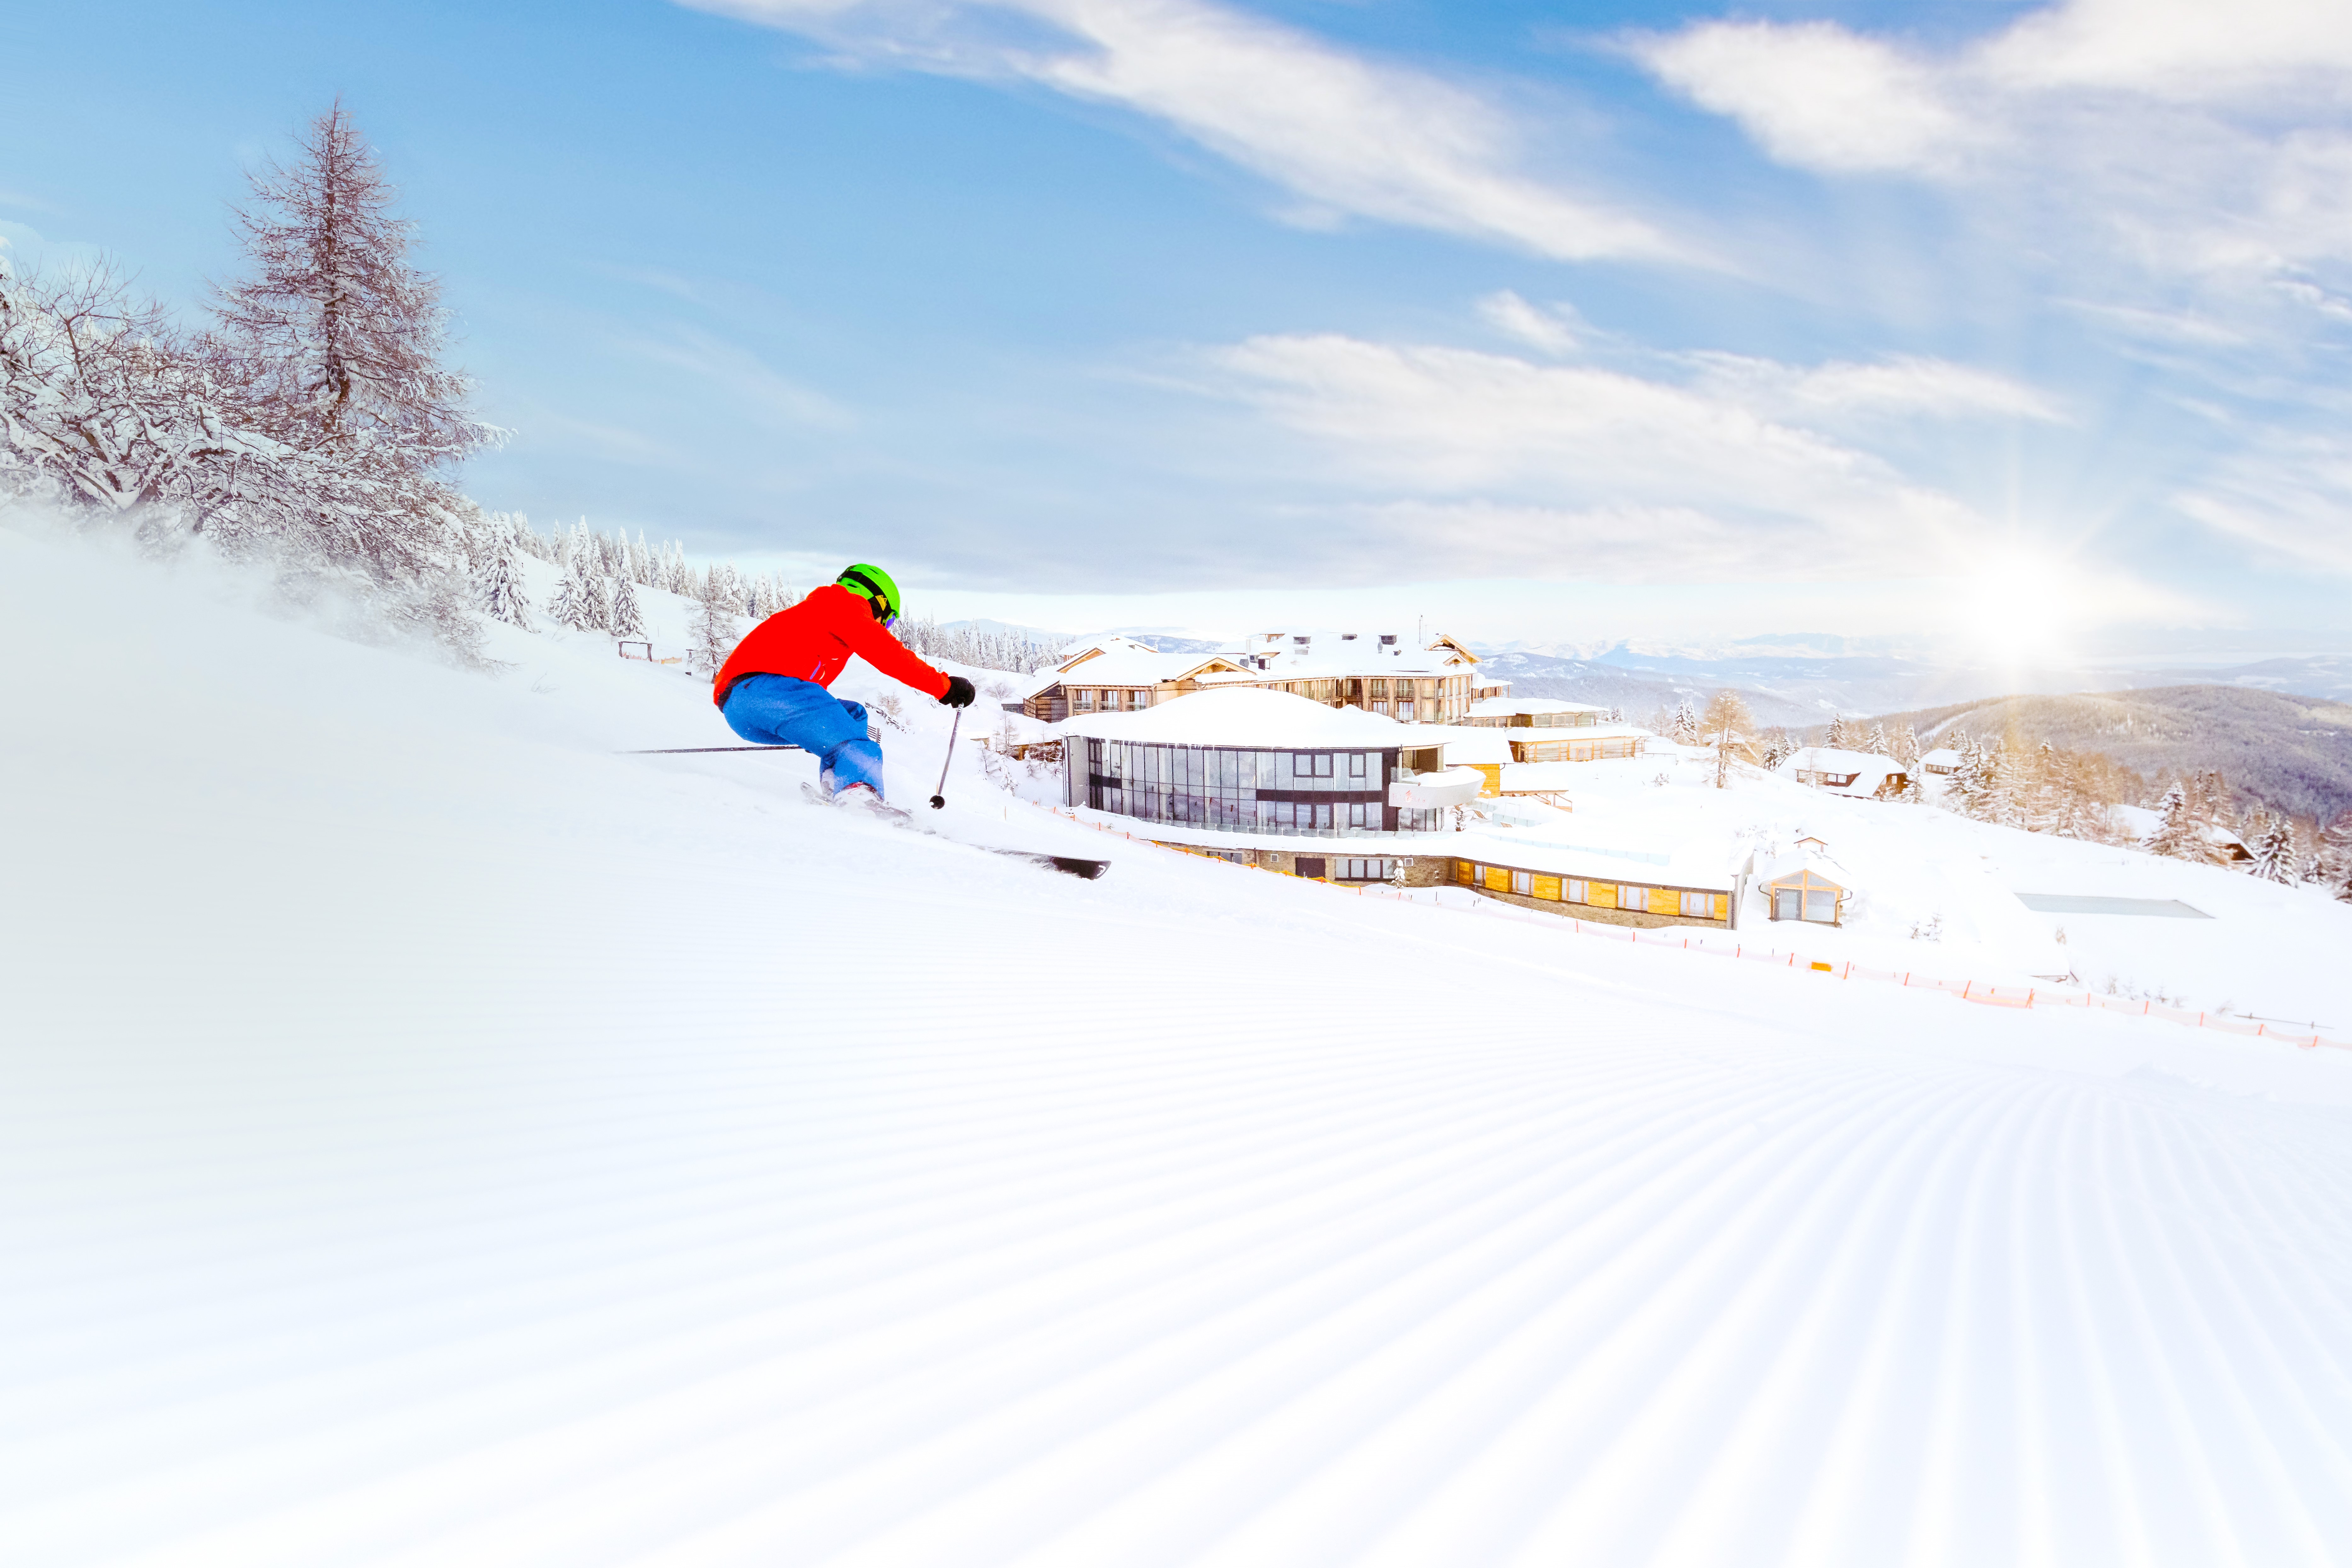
[(871, 583)]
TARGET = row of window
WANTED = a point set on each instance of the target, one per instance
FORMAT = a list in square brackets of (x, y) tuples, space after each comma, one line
[(1364, 869), (1816, 904), (1597, 895), (1201, 770), (1235, 815), (1575, 750), (1106, 700)]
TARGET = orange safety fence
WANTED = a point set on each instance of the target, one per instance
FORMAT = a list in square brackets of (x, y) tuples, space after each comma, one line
[(1965, 990)]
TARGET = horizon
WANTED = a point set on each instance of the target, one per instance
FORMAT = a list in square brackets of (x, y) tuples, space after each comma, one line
[(2015, 329)]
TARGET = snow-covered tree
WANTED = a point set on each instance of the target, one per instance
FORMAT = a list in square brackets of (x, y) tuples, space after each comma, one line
[(628, 616), (2334, 857), (1683, 729), (1838, 736), (339, 335), (1877, 743), (1905, 749), (2271, 838), (714, 636), (1777, 747), (1726, 726), (2181, 832), (498, 575)]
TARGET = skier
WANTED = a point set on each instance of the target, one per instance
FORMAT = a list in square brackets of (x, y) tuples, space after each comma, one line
[(772, 686)]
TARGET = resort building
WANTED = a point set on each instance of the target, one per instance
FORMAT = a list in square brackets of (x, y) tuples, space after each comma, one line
[(1533, 713), (1943, 761), (1118, 675), (1613, 886), (1380, 672), (1248, 772), (1863, 774)]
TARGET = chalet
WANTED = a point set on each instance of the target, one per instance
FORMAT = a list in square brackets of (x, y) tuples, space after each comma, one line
[(1864, 775), (1797, 888), (1380, 672), (1249, 773), (1943, 761), (1118, 675)]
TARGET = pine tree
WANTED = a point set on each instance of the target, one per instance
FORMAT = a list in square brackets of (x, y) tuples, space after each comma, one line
[(1877, 743), (714, 636), (498, 576), (2273, 849), (600, 602), (1838, 739), (2180, 833), (1683, 729), (628, 617), (2335, 858), (1907, 749)]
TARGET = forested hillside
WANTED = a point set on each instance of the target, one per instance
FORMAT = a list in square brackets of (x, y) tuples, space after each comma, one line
[(2288, 753)]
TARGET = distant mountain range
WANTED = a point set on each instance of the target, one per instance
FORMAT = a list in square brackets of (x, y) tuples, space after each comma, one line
[(2290, 752)]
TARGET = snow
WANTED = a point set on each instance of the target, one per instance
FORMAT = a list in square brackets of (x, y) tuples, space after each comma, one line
[(433, 1139), (1245, 717), (1870, 770)]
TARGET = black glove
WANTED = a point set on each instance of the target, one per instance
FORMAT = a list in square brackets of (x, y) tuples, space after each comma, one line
[(959, 692)]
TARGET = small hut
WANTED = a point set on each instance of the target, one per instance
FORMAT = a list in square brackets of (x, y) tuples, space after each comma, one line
[(1943, 761), (1797, 888)]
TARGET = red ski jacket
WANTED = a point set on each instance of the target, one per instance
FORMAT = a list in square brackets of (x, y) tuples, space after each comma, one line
[(813, 639)]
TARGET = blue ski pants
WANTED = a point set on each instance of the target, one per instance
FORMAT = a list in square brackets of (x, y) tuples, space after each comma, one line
[(782, 711)]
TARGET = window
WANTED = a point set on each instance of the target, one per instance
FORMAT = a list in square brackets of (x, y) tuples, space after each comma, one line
[(1699, 906), (1788, 905), (1355, 813), (1524, 884), (1355, 764), (1574, 890), (1821, 904), (1366, 869), (1634, 898), (1322, 765), (1083, 699), (1322, 814), (1380, 687)]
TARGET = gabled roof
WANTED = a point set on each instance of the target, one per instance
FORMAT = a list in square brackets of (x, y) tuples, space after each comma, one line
[(1136, 665)]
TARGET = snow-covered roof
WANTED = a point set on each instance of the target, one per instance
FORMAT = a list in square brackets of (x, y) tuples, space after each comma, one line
[(1941, 757), (1113, 643), (1701, 863), (1319, 655), (1463, 744), (1837, 759), (1506, 707), (1248, 716), (1795, 863), (1131, 666), (1870, 770)]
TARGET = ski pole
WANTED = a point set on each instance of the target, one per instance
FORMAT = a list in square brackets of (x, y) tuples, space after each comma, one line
[(940, 801)]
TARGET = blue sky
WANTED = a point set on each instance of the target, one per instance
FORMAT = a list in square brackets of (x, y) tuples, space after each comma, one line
[(2010, 323)]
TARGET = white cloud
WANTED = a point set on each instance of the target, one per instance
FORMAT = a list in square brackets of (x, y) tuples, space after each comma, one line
[(1337, 129), (1901, 385), (1593, 472), (1816, 95), (1554, 329)]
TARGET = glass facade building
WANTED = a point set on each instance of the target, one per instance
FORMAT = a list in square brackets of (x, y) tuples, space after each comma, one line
[(1324, 793)]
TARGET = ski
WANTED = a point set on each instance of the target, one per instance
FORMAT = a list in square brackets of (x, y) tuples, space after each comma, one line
[(1068, 865)]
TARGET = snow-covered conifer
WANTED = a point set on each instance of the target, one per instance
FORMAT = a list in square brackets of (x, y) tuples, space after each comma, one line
[(2334, 857), (2272, 841), (498, 575), (1878, 742), (1838, 737), (714, 636), (628, 616), (1682, 730)]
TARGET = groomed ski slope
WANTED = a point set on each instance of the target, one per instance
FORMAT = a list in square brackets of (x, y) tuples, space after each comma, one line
[(430, 1138)]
